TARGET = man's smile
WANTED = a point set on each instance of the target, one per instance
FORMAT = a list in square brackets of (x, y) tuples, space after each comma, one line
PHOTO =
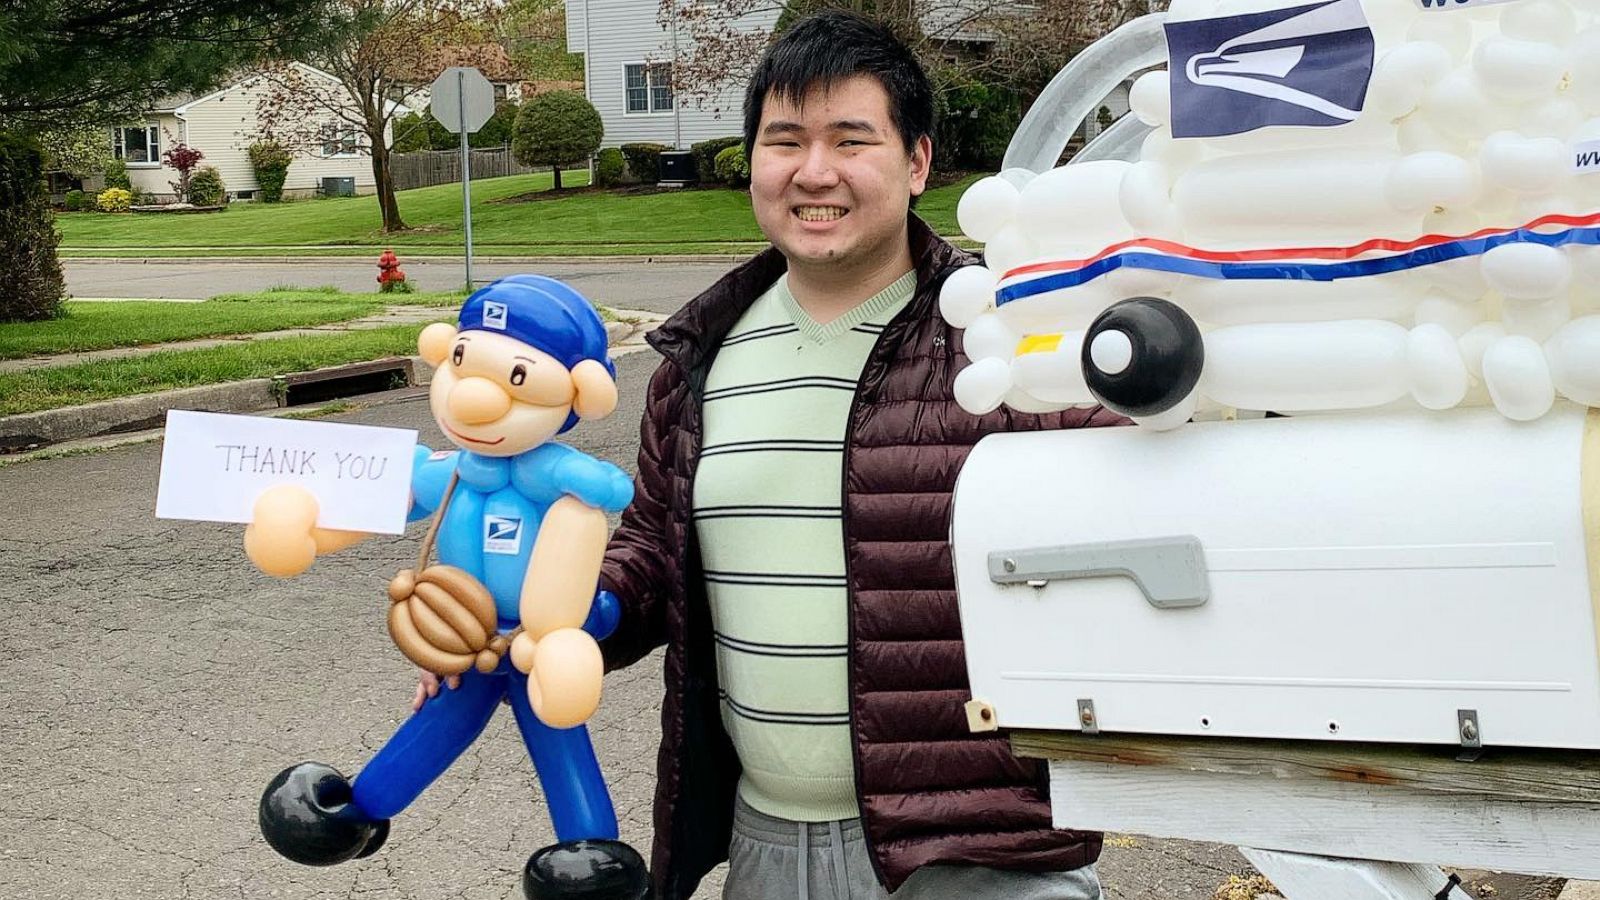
[(471, 439), (820, 213)]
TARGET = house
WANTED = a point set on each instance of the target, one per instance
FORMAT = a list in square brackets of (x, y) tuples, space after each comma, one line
[(624, 48), (490, 59), (223, 125)]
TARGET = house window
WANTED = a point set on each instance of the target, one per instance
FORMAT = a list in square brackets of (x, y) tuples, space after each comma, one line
[(339, 139), (137, 144), (648, 87), (499, 93)]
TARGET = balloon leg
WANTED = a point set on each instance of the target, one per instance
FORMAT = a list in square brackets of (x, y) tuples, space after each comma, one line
[(580, 803), (427, 743)]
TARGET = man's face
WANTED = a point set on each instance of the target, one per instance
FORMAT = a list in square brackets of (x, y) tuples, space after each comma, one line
[(830, 177)]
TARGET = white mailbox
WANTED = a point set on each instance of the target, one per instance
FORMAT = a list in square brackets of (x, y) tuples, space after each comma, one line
[(1426, 578)]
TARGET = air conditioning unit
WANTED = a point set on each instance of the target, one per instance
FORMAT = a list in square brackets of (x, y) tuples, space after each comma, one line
[(677, 167), (341, 186)]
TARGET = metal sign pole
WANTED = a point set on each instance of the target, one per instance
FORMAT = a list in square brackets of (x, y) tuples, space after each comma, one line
[(466, 172)]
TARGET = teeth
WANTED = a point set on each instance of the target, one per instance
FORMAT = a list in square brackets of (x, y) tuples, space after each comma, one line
[(819, 213)]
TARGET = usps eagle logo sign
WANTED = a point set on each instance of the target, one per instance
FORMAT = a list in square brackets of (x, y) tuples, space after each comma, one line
[(494, 315), (1309, 65)]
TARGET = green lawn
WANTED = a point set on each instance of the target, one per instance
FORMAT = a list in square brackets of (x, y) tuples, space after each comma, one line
[(60, 386), (104, 325), (584, 223)]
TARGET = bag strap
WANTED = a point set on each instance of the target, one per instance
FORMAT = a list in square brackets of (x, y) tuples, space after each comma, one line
[(438, 517)]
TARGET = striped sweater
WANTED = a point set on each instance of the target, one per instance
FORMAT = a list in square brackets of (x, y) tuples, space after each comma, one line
[(767, 499)]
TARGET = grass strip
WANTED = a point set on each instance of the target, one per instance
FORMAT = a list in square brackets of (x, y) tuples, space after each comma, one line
[(519, 210), (55, 387)]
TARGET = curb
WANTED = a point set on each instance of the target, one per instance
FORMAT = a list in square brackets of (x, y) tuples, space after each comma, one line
[(662, 259), (32, 431)]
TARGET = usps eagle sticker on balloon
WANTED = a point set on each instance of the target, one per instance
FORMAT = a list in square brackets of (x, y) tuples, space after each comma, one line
[(1325, 206)]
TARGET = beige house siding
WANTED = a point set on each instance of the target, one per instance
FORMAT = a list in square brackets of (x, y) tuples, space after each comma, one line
[(223, 126)]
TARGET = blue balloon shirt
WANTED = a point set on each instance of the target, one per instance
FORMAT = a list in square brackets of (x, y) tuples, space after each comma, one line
[(499, 503), (489, 530)]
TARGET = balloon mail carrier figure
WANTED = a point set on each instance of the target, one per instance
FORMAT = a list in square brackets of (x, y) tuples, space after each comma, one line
[(519, 525)]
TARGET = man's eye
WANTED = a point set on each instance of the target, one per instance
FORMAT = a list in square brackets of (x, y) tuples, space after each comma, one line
[(461, 350), (519, 374)]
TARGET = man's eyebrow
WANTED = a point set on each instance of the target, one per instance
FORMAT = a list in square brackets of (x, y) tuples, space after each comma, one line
[(782, 127), (854, 125)]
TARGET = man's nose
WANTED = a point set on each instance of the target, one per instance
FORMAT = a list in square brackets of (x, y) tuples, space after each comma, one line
[(818, 170), (476, 401)]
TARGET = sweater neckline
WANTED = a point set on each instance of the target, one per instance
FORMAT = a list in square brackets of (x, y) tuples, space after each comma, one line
[(884, 301)]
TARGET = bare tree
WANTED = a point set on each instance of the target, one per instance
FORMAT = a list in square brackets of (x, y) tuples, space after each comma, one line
[(396, 50), (1004, 41)]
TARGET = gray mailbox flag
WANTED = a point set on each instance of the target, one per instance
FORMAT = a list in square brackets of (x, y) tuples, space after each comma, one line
[(461, 99)]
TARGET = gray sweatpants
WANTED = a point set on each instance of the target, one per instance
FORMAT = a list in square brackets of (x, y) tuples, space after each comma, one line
[(776, 859)]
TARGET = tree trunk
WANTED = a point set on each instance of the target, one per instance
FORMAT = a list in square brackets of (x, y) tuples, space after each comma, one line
[(557, 171), (383, 178)]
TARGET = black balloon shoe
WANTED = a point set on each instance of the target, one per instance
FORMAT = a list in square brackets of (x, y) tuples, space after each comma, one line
[(586, 870), (307, 816)]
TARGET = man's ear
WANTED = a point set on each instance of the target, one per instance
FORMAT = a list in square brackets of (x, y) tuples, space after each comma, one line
[(597, 390), (434, 342), (921, 164)]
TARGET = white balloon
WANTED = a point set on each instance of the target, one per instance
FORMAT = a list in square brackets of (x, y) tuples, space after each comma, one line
[(1175, 417), (967, 293), (1476, 342), (1011, 247), (1549, 21), (1302, 367), (1402, 76), (1453, 315), (1111, 351), (1422, 181), (1585, 73), (1518, 378), (1146, 199), (988, 337), (1517, 70), (1459, 107), (1150, 98), (1019, 177), (1054, 375), (1553, 117), (1453, 33), (1538, 319), (1527, 271), (1574, 355), (980, 387), (1076, 202), (1528, 165), (1024, 402), (1418, 132), (987, 206), (1438, 376)]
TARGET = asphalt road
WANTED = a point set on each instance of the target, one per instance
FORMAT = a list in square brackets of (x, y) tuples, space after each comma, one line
[(628, 284), (154, 682)]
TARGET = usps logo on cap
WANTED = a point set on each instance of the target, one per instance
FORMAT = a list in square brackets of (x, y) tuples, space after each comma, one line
[(494, 315)]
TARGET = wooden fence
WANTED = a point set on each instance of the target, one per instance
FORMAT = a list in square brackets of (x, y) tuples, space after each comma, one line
[(429, 167)]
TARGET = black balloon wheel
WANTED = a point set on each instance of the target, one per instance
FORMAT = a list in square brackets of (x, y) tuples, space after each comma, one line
[(1168, 355)]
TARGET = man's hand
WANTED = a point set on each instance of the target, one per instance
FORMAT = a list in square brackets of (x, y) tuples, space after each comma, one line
[(428, 688)]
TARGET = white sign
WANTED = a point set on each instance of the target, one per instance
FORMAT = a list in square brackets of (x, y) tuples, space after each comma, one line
[(213, 467), (1457, 4), (1586, 157), (461, 91)]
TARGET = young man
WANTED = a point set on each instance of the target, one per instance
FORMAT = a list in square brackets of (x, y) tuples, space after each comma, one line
[(788, 537)]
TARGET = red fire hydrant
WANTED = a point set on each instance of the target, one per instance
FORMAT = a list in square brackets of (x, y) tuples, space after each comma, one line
[(390, 277)]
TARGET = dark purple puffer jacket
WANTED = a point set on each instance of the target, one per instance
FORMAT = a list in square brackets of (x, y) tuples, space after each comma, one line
[(930, 791)]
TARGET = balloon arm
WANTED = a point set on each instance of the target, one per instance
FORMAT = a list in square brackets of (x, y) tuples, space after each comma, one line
[(558, 590), (331, 539), (1080, 87), (1122, 140), (604, 616)]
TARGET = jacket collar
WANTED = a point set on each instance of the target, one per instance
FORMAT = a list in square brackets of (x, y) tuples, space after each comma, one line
[(691, 336)]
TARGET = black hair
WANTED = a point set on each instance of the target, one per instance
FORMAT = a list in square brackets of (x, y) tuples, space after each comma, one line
[(829, 47)]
